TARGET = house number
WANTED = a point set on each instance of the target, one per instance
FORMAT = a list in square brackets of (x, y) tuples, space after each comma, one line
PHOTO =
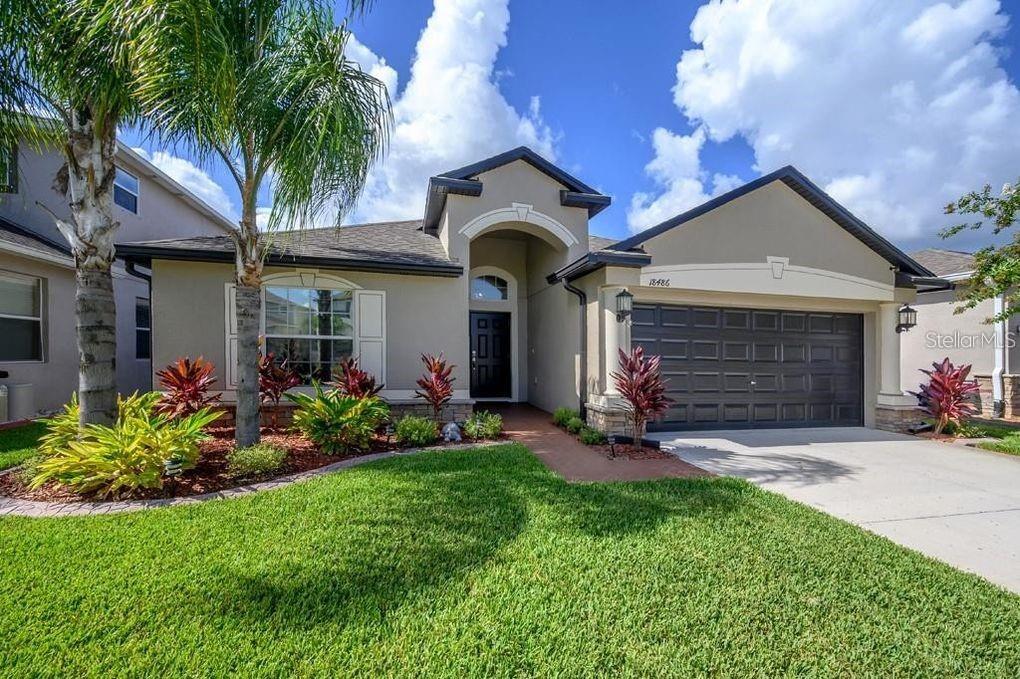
[(659, 283)]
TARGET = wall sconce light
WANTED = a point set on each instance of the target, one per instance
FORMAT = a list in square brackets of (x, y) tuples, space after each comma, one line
[(908, 318), (624, 305)]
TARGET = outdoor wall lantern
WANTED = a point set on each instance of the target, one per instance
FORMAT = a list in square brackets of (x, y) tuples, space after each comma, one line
[(624, 305), (908, 318)]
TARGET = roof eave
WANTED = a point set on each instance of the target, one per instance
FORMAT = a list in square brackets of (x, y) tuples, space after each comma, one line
[(593, 261), (145, 254)]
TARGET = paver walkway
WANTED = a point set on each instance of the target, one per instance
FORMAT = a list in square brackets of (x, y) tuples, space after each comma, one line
[(575, 461)]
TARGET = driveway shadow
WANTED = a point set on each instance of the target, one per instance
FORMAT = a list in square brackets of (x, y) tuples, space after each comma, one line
[(773, 466)]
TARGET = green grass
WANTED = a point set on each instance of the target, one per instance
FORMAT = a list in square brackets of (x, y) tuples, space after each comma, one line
[(18, 444), (482, 563), (1010, 443)]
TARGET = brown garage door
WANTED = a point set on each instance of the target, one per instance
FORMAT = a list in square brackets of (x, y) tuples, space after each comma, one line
[(742, 368)]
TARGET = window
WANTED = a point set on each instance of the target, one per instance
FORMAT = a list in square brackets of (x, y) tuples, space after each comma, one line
[(20, 318), (310, 328), (488, 288), (125, 190), (9, 170), (143, 328)]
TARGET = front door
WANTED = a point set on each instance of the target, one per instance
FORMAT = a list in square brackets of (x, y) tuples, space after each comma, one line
[(490, 354)]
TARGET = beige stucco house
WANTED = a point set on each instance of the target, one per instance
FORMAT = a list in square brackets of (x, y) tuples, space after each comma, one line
[(772, 306), (38, 350), (964, 338)]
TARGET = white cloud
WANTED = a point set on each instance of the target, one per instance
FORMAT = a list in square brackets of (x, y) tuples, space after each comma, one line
[(676, 170), (451, 112), (895, 108), (372, 64), (193, 178)]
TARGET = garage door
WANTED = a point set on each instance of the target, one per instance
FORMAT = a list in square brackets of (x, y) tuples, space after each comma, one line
[(742, 368)]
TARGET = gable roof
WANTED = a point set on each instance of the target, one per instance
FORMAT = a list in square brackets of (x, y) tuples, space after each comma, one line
[(464, 181), (388, 247), (803, 186), (19, 239), (945, 262)]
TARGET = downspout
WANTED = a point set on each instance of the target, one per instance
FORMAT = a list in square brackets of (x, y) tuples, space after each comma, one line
[(1001, 349), (582, 300)]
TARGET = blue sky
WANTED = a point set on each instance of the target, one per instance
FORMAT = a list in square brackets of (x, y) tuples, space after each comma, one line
[(895, 108)]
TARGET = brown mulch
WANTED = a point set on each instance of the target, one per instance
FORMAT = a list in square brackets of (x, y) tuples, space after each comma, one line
[(629, 452), (210, 474)]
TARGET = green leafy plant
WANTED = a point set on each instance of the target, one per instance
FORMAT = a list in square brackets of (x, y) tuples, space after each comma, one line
[(574, 425), (563, 415), (131, 454), (484, 425), (416, 431), (592, 437), (186, 386), (338, 423), (261, 458), (29, 469)]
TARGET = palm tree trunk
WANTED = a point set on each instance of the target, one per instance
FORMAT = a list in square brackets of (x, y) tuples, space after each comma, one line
[(248, 309), (96, 322)]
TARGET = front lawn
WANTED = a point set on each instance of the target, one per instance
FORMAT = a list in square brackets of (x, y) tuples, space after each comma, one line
[(1009, 443), (18, 444), (483, 563)]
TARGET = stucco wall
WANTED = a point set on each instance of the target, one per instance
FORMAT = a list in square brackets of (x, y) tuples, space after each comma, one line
[(160, 213), (939, 333), (56, 377), (770, 221), (133, 373), (423, 314)]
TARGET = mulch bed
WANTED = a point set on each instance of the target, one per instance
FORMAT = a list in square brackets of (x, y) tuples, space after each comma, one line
[(626, 451), (210, 474)]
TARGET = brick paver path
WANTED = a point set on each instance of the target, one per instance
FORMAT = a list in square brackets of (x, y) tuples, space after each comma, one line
[(573, 460)]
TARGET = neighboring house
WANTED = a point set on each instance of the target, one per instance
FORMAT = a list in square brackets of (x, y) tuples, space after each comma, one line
[(37, 286), (771, 305), (964, 338)]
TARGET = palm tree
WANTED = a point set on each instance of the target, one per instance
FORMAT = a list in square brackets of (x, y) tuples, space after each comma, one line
[(264, 86), (65, 82)]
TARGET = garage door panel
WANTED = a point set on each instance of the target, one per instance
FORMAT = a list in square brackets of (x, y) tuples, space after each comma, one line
[(755, 368)]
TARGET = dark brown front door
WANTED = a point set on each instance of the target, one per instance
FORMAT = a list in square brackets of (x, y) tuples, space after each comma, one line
[(490, 354)]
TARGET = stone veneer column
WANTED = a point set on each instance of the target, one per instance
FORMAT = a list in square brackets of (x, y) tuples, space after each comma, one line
[(895, 411)]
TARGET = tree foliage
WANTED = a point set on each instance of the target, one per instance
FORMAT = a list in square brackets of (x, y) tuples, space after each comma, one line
[(996, 268)]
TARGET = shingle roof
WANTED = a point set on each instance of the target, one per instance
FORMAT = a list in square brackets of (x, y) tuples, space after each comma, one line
[(945, 262), (16, 235), (381, 245), (599, 242)]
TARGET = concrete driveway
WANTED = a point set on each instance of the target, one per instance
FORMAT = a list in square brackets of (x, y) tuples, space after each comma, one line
[(956, 504)]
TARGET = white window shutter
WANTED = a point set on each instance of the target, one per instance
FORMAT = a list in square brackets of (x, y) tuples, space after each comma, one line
[(230, 314), (370, 320)]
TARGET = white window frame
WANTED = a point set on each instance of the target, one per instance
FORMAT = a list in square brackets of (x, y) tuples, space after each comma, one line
[(137, 194), (38, 282), (138, 327), (498, 277), (352, 322)]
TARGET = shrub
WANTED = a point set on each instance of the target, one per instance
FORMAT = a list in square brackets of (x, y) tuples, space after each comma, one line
[(563, 415), (260, 458), (338, 423), (119, 459), (350, 379), (275, 378), (484, 425), (574, 425), (186, 385), (416, 431), (946, 397), (640, 383), (592, 437), (436, 385), (29, 469)]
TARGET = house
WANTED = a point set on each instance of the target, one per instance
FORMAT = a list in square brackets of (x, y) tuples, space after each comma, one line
[(964, 338), (37, 281), (771, 305)]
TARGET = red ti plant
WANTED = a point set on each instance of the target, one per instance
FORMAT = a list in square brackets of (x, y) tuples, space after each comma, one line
[(947, 396), (436, 384), (185, 386), (640, 382), (350, 380), (275, 379)]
